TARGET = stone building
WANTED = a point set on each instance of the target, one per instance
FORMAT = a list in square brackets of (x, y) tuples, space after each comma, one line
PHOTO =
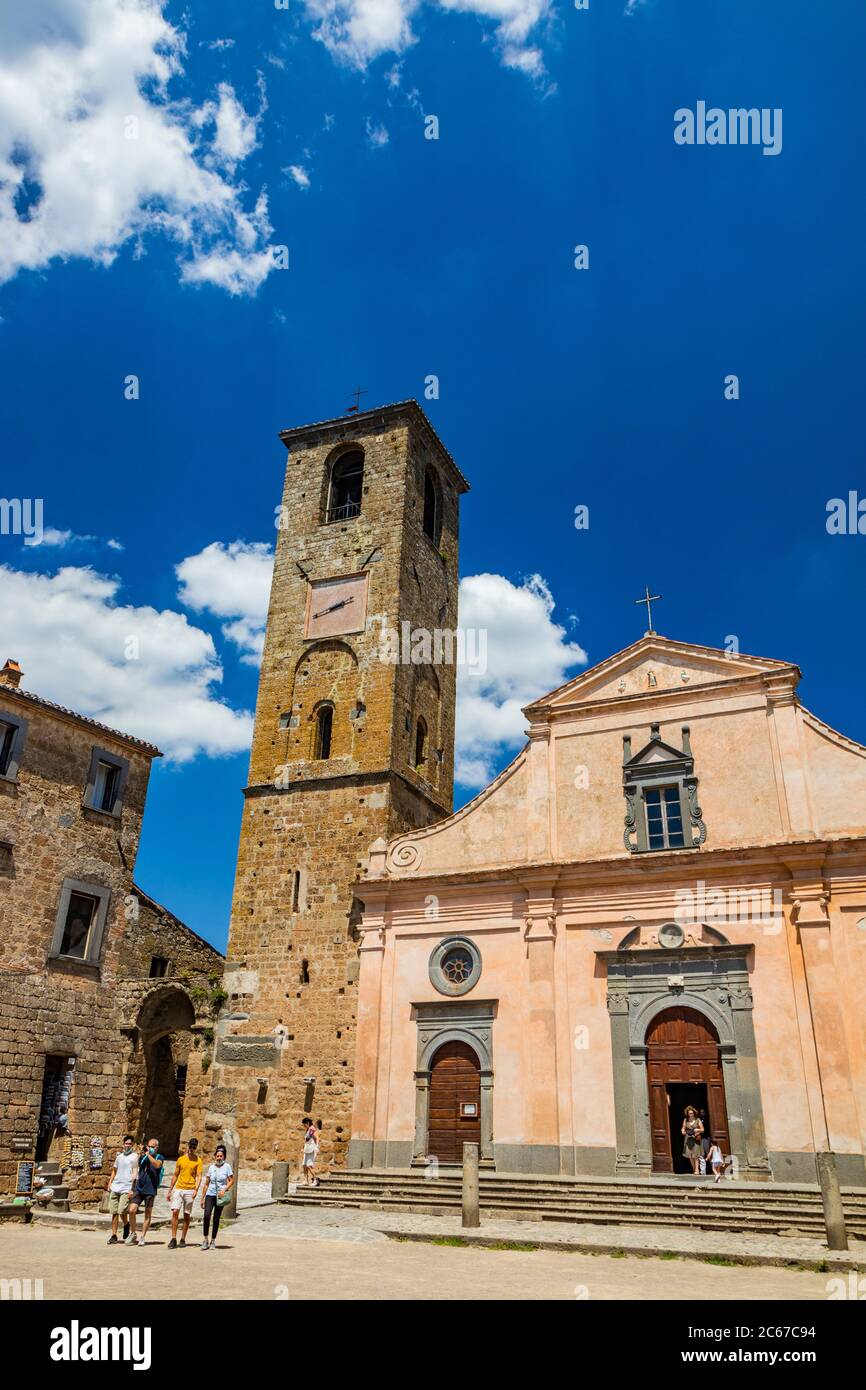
[(107, 1002), (660, 902), (351, 743)]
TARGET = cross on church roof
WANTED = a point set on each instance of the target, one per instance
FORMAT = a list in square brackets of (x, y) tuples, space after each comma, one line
[(649, 599), (357, 393)]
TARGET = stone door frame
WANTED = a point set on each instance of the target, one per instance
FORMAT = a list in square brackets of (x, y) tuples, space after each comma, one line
[(714, 981), (465, 1021)]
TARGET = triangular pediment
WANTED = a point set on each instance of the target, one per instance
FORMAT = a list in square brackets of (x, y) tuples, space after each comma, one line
[(658, 665), (656, 753)]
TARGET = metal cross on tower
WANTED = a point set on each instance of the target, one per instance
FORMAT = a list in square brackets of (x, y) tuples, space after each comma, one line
[(649, 599)]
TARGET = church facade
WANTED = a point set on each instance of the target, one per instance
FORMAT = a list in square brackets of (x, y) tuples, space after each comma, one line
[(661, 902)]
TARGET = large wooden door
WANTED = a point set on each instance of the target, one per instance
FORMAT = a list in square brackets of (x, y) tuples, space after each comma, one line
[(455, 1102), (684, 1066)]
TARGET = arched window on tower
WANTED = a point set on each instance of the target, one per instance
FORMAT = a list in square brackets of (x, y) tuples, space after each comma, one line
[(347, 485), (432, 507), (420, 745), (324, 725)]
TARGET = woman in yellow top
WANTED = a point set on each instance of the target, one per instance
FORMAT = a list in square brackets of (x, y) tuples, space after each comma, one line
[(185, 1183)]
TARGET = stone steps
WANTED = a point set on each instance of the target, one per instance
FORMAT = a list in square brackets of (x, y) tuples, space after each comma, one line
[(759, 1208), (51, 1173)]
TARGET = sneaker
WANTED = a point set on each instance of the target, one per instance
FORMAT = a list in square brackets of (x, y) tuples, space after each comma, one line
[(129, 1240), (183, 1245), (141, 1240), (172, 1245), (112, 1240), (205, 1245)]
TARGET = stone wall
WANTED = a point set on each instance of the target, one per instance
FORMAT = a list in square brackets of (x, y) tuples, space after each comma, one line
[(56, 1007), (61, 1007)]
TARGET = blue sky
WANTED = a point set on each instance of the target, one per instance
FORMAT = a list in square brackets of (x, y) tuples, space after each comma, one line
[(410, 257)]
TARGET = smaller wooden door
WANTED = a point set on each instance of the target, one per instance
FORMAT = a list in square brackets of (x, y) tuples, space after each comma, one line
[(455, 1102)]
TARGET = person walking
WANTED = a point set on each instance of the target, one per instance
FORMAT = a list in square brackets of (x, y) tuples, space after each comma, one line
[(150, 1167), (692, 1130), (716, 1161), (311, 1153), (123, 1173), (218, 1182), (185, 1183)]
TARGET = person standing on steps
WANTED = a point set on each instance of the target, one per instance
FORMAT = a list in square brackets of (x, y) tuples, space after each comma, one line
[(218, 1182), (123, 1174), (311, 1153), (150, 1167), (692, 1132), (185, 1183)]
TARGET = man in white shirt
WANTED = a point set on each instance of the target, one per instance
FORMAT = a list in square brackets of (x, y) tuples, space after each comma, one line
[(123, 1174)]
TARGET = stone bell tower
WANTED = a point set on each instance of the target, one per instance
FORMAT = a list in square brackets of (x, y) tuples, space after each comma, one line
[(353, 740)]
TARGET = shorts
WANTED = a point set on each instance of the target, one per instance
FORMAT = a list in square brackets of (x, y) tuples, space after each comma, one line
[(138, 1201), (118, 1202), (182, 1199), (310, 1160)]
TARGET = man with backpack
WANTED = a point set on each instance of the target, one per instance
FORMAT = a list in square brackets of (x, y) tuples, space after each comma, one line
[(150, 1167)]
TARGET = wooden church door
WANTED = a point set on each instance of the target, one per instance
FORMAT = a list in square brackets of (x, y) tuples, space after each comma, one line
[(455, 1102), (684, 1067)]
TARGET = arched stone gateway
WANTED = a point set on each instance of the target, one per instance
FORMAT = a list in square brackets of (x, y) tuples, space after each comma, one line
[(162, 1036)]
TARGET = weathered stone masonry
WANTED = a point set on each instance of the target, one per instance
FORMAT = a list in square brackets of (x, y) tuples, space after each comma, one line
[(104, 1018), (308, 822)]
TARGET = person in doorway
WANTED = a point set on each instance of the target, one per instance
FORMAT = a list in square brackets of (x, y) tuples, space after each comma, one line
[(123, 1173), (706, 1141), (150, 1167), (218, 1182), (311, 1153), (185, 1183), (716, 1161), (692, 1131)]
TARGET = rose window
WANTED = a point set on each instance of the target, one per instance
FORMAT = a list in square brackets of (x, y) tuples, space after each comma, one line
[(457, 966)]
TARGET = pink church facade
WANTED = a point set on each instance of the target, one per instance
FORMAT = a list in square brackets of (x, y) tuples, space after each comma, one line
[(660, 902)]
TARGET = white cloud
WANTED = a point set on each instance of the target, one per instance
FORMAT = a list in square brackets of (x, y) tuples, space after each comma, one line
[(95, 152), (70, 633), (74, 641), (56, 539), (234, 582), (219, 44), (299, 174), (52, 537), (528, 654), (357, 31), (235, 134), (377, 135)]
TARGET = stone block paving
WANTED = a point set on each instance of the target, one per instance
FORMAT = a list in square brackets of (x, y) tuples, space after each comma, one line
[(322, 1223)]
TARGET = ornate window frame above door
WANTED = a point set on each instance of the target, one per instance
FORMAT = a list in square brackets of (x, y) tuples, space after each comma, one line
[(656, 765)]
